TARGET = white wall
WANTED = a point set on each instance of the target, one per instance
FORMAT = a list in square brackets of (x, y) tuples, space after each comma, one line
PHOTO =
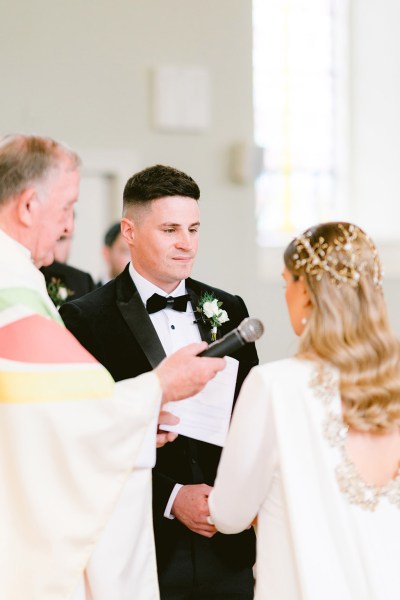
[(375, 108), (80, 71)]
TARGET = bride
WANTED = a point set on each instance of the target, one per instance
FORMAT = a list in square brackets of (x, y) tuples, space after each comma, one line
[(314, 445)]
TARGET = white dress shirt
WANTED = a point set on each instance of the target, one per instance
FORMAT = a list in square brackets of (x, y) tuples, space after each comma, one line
[(175, 330)]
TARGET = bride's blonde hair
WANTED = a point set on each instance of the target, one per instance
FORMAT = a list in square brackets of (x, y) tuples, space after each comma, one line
[(348, 326)]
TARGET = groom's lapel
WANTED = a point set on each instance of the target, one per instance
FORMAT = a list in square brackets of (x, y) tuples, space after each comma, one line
[(137, 319), (204, 328)]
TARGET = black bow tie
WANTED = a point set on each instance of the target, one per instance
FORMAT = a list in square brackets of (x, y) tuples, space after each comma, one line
[(157, 302)]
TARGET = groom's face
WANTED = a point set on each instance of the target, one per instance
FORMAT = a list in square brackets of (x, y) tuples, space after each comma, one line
[(164, 240)]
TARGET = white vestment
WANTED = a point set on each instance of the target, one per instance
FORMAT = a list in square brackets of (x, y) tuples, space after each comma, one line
[(280, 461), (73, 471)]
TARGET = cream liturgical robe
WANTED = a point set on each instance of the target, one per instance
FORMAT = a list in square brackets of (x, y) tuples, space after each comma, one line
[(71, 456), (322, 534)]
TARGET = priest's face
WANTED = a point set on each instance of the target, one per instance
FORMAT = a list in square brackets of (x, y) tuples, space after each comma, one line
[(53, 211), (163, 238)]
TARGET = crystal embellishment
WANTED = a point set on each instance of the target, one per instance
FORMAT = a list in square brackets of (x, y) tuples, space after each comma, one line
[(359, 492), (318, 258), (325, 386)]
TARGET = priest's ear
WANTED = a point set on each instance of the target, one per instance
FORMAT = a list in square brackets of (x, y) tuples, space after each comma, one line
[(128, 230), (27, 205)]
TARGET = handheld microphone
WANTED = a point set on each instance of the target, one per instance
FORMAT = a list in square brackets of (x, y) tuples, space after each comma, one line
[(248, 331)]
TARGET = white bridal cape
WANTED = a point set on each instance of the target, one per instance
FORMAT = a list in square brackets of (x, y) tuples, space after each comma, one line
[(75, 493), (322, 534)]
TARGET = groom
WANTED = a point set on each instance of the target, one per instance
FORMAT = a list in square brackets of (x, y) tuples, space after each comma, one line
[(129, 326)]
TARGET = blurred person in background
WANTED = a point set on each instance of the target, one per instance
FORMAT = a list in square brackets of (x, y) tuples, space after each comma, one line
[(63, 281), (115, 252)]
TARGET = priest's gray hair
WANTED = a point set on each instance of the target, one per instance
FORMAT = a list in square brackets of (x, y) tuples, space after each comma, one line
[(27, 159)]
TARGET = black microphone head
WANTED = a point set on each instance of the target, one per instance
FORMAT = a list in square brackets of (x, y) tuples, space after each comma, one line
[(251, 329)]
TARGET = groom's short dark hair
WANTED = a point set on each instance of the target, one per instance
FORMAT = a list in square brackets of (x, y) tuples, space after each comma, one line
[(157, 182)]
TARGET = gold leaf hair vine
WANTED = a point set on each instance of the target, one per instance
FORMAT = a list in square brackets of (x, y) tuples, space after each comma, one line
[(340, 260)]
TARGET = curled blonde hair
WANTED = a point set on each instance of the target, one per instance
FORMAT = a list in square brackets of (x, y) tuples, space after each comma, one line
[(349, 326)]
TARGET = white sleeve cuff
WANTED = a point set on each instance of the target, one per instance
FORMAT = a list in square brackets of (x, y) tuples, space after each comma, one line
[(168, 508)]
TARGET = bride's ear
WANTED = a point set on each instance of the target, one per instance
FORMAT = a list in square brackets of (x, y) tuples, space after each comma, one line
[(304, 291)]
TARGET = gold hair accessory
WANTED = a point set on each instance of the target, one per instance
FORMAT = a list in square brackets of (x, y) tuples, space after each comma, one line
[(339, 260)]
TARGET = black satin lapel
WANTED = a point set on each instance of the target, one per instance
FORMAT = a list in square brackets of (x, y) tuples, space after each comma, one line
[(139, 322), (204, 328)]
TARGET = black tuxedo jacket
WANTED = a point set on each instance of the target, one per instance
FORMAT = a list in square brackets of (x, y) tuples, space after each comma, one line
[(112, 324), (77, 281)]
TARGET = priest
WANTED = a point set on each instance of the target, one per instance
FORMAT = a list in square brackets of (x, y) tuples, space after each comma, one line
[(75, 447)]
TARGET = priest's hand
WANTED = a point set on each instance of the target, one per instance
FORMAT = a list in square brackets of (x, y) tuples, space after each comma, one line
[(163, 437), (183, 373)]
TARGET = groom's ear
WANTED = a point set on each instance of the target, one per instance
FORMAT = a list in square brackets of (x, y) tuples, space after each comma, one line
[(128, 230)]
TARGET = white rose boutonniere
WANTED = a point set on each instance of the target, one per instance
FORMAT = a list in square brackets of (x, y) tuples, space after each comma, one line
[(210, 309), (58, 291)]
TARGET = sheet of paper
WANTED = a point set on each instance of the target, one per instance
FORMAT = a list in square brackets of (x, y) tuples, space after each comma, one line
[(206, 416)]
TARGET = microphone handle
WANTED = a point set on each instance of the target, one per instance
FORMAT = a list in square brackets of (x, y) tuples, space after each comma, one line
[(231, 342)]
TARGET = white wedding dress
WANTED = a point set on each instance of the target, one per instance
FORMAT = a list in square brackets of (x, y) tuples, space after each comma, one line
[(322, 534)]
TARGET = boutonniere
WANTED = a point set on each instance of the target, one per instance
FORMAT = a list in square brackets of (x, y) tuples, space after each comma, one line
[(58, 291), (210, 309)]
